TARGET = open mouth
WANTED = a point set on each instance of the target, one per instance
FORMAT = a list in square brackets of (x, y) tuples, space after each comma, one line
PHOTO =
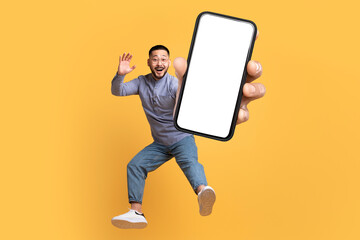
[(159, 70)]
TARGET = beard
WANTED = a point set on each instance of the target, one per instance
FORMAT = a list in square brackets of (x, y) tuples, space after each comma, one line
[(159, 72)]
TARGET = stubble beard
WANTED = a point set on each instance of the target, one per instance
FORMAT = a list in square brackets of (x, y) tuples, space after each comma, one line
[(154, 74)]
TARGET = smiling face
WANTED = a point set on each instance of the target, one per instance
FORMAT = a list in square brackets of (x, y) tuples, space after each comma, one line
[(159, 63)]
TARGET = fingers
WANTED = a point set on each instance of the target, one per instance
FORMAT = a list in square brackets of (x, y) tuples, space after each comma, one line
[(254, 70), (251, 91), (243, 115), (254, 90), (126, 57)]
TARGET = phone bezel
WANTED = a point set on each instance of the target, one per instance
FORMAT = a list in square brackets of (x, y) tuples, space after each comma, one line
[(243, 79)]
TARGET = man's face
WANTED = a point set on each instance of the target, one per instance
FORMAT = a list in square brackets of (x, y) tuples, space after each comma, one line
[(159, 62)]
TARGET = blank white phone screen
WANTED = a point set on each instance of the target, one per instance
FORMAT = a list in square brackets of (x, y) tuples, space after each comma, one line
[(214, 75)]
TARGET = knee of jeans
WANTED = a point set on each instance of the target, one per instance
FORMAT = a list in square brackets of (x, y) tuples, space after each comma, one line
[(132, 165), (187, 162), (135, 167)]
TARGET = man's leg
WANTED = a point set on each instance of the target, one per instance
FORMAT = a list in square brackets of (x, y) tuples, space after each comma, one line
[(147, 160), (185, 152)]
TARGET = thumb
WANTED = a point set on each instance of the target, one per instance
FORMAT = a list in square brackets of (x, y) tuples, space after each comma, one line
[(133, 67), (180, 66)]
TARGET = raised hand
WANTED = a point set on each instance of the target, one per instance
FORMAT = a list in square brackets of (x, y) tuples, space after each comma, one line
[(124, 64)]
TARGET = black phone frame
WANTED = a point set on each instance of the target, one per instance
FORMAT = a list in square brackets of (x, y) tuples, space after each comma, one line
[(243, 80)]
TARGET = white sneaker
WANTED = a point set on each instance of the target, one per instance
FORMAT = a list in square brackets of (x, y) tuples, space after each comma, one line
[(131, 219), (206, 199)]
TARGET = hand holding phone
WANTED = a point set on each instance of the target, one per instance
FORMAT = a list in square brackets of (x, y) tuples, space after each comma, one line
[(211, 91)]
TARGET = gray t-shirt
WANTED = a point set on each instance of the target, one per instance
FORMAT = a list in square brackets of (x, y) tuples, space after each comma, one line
[(158, 101)]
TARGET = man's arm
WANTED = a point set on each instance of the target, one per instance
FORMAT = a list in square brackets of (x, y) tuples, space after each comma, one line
[(180, 66), (118, 87)]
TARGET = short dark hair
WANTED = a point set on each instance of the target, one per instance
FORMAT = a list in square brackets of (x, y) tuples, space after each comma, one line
[(159, 47)]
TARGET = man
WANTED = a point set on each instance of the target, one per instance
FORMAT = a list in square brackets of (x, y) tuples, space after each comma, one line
[(158, 92)]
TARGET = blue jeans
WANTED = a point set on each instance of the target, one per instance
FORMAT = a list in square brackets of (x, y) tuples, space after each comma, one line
[(154, 155)]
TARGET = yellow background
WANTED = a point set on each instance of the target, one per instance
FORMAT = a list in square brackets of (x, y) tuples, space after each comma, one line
[(290, 172)]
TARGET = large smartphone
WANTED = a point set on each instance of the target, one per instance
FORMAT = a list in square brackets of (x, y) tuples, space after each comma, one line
[(211, 92)]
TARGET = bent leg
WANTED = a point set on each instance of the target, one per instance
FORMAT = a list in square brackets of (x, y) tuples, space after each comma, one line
[(185, 152), (147, 160)]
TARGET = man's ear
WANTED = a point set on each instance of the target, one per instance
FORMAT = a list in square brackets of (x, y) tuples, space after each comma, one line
[(169, 62), (148, 62)]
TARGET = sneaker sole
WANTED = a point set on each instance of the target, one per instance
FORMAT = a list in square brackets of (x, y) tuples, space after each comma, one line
[(206, 201), (128, 225)]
